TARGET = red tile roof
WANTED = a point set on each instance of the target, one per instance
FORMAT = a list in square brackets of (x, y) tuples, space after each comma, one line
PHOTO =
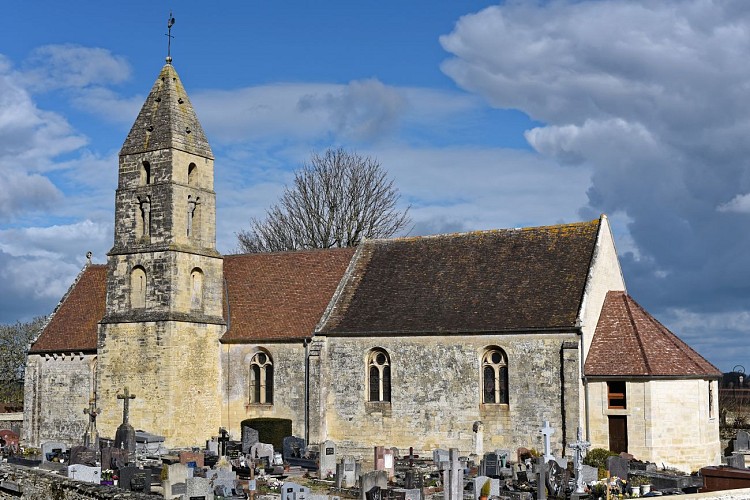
[(485, 281), (73, 326), (629, 342), (280, 296)]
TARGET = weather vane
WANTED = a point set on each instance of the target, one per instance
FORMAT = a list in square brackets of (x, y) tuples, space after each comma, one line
[(169, 36)]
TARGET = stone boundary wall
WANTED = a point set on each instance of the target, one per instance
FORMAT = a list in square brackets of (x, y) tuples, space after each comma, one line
[(39, 484)]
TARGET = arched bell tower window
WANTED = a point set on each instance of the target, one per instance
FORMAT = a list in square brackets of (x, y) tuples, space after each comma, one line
[(192, 173), (145, 173), (138, 288), (196, 289), (261, 378), (379, 376), (494, 376)]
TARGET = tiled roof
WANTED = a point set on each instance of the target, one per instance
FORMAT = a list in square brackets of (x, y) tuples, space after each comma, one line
[(167, 120), (73, 326), (629, 342), (280, 296), (503, 280)]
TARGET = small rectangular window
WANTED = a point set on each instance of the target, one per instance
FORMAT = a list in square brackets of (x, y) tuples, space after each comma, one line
[(616, 395)]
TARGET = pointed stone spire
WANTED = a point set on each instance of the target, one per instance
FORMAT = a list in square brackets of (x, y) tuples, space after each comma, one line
[(167, 120)]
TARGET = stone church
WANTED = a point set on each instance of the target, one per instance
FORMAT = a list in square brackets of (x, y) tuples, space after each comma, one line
[(465, 340)]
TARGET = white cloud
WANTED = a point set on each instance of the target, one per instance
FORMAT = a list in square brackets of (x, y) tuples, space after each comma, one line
[(70, 66), (739, 204)]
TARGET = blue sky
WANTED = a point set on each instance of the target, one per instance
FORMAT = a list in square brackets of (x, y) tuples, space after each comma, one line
[(486, 115)]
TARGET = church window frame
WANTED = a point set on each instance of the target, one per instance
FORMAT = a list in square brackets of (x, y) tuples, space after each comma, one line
[(138, 287), (260, 379), (379, 376), (617, 395), (192, 173), (494, 376), (146, 178)]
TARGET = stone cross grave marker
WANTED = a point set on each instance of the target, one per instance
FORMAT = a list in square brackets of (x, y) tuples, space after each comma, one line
[(125, 435), (547, 431), (91, 436), (541, 478), (453, 476), (223, 440), (579, 447)]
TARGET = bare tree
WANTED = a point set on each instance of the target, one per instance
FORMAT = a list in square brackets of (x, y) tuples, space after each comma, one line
[(14, 345), (336, 200)]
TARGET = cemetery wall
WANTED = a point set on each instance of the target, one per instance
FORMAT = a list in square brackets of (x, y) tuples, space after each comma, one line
[(288, 383), (58, 388), (663, 424), (35, 483), (173, 368), (436, 393)]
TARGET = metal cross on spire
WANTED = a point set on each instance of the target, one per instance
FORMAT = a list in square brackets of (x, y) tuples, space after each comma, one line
[(168, 34)]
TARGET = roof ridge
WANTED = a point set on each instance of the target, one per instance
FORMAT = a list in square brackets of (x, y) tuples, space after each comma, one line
[(483, 231)]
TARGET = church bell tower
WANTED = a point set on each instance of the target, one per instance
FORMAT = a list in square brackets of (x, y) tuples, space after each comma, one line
[(160, 333)]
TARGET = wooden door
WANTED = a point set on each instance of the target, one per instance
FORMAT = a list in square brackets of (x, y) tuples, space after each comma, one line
[(618, 433)]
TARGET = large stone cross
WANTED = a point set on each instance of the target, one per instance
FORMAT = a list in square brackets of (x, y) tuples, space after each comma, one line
[(580, 446), (90, 437), (126, 397), (547, 431)]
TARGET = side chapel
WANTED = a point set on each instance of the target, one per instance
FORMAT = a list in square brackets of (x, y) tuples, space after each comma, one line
[(462, 340)]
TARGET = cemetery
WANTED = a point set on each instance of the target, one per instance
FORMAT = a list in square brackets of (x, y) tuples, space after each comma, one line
[(137, 465)]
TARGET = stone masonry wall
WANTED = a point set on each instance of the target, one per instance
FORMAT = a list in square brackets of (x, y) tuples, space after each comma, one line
[(57, 389), (172, 368), (289, 385), (436, 393), (663, 424)]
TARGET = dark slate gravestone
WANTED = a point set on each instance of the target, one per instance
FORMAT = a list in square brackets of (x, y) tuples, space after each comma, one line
[(618, 466), (83, 455), (736, 460), (490, 465), (293, 447), (741, 441), (249, 438), (114, 458), (135, 479)]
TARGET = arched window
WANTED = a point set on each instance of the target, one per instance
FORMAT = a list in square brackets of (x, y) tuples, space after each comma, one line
[(192, 173), (145, 173), (138, 288), (379, 375), (196, 289), (261, 378), (494, 377)]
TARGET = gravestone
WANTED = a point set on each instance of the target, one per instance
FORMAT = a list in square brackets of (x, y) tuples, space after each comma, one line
[(374, 493), (198, 487), (478, 484), (79, 472), (347, 472), (262, 451), (557, 479), (453, 476), (249, 438), (741, 441), (384, 461), (135, 479), (439, 455), (192, 456), (490, 465), (579, 448), (222, 491), (223, 440), (547, 432), (53, 451), (294, 491), (223, 476), (177, 475), (91, 436), (327, 458), (293, 447), (370, 480), (618, 466), (541, 472), (736, 460), (113, 458), (125, 434), (83, 455), (406, 494), (589, 474)]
